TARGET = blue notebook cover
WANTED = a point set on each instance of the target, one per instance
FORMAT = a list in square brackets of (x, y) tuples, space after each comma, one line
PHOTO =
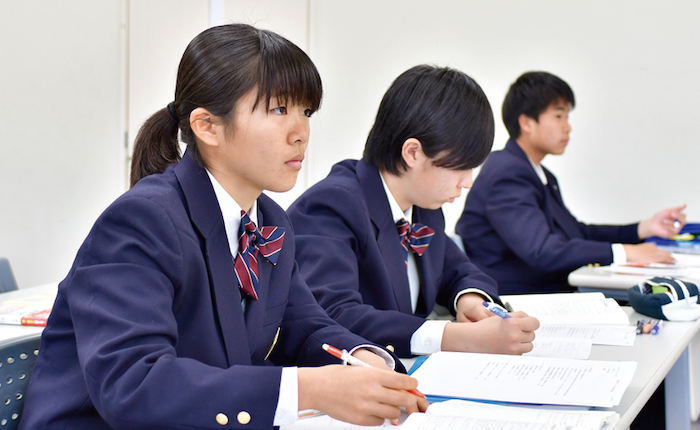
[(686, 241)]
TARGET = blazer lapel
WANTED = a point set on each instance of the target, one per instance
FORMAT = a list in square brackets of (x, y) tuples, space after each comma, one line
[(206, 217), (387, 235), (561, 216)]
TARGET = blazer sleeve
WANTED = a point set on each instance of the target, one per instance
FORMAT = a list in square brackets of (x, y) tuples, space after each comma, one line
[(306, 327), (514, 212), (333, 236)]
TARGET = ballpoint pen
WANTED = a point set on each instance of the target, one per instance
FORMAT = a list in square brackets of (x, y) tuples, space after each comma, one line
[(354, 361), (496, 309)]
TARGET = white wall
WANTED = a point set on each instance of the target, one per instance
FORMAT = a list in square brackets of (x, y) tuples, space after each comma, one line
[(633, 66), (78, 77), (61, 116)]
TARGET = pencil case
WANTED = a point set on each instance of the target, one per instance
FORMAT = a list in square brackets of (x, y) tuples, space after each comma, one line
[(665, 297)]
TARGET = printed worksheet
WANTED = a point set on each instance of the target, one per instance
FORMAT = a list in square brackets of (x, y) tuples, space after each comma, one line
[(569, 308), (523, 379), (620, 335)]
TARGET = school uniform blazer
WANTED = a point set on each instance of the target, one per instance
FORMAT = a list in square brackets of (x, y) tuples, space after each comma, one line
[(148, 331), (519, 231), (350, 255)]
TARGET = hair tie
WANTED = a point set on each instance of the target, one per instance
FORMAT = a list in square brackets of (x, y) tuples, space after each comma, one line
[(171, 111)]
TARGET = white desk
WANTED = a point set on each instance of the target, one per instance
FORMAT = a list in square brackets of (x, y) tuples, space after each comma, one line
[(659, 357), (683, 381), (615, 285), (9, 331)]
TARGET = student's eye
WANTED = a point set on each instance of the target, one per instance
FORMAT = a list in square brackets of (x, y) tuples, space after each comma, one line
[(308, 113), (282, 110)]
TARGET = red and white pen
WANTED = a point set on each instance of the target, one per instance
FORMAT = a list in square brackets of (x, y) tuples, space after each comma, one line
[(354, 361)]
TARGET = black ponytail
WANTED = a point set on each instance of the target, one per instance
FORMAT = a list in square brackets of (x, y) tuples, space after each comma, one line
[(156, 146)]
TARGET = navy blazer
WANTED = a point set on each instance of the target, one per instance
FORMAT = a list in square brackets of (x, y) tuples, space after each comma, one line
[(350, 255), (148, 331), (519, 231)]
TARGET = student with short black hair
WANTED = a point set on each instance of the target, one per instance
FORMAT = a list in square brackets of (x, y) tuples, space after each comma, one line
[(376, 273), (184, 308), (515, 225)]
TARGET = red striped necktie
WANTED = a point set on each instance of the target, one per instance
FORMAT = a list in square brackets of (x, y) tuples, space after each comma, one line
[(251, 243), (414, 236)]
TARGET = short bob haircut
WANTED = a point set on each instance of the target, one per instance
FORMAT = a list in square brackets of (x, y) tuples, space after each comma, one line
[(441, 107), (531, 94)]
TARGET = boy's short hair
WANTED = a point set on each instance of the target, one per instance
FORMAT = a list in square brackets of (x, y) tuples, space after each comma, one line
[(441, 107), (531, 94)]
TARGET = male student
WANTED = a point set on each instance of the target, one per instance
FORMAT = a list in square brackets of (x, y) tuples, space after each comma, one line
[(515, 225), (434, 125)]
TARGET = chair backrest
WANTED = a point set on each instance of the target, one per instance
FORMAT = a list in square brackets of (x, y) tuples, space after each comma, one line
[(17, 358), (7, 279)]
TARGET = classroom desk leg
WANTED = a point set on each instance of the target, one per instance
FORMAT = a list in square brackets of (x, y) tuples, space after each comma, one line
[(677, 393)]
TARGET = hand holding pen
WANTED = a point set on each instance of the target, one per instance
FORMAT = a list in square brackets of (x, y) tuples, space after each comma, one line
[(359, 396), (496, 309), (354, 361), (373, 388)]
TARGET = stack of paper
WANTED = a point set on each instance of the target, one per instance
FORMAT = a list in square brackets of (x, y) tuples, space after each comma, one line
[(648, 269), (571, 323)]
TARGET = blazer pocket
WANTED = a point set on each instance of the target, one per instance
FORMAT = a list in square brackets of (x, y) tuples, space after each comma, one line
[(274, 314)]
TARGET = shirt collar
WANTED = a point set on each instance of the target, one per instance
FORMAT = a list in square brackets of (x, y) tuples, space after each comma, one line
[(539, 170), (396, 212), (231, 212)]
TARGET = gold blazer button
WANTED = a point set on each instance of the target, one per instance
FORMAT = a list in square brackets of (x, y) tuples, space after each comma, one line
[(243, 417), (222, 419)]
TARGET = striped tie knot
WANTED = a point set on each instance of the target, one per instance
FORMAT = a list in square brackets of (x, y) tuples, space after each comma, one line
[(414, 236), (252, 242)]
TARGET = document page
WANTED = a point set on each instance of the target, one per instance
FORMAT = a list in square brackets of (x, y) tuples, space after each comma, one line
[(569, 308), (523, 379), (560, 347), (620, 335), (461, 414)]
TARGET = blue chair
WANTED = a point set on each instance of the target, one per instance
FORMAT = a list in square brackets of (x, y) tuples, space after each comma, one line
[(7, 279), (17, 358)]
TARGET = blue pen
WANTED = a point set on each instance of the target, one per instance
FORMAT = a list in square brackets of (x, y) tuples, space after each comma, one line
[(496, 309), (655, 329)]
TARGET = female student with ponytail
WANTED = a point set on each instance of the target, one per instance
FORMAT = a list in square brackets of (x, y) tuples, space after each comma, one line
[(166, 319)]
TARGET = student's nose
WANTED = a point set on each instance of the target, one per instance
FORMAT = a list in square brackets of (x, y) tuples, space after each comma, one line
[(567, 127), (466, 179), (299, 129)]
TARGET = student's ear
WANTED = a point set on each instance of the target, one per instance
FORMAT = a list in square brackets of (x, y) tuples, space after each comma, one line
[(204, 127), (412, 152), (525, 123)]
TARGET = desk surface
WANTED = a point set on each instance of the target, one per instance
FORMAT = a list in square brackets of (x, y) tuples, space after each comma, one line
[(601, 279), (9, 331), (655, 356)]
